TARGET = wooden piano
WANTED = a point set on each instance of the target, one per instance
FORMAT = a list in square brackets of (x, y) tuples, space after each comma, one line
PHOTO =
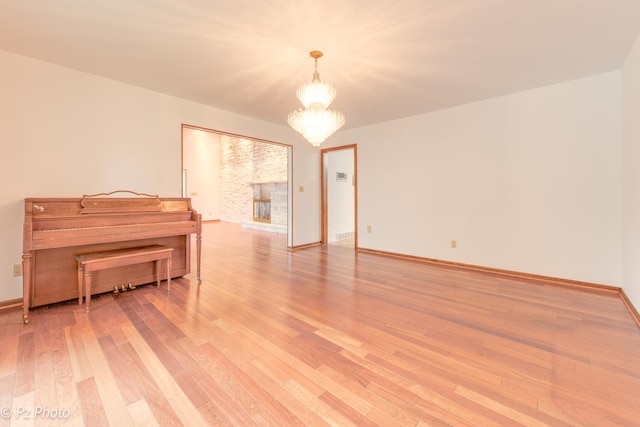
[(58, 229)]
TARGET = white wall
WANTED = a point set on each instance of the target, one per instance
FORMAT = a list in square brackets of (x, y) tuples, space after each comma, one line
[(201, 159), (631, 176), (528, 182), (65, 133), (306, 194)]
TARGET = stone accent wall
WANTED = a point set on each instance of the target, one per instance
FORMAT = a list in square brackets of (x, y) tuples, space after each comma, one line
[(251, 169), (269, 162), (236, 172)]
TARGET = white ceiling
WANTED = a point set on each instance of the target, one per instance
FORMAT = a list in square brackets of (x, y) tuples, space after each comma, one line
[(387, 58)]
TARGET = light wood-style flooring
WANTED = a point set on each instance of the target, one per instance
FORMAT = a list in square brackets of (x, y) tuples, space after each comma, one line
[(324, 336)]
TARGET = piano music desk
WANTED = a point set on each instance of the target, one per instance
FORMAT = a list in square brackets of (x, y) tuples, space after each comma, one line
[(88, 263)]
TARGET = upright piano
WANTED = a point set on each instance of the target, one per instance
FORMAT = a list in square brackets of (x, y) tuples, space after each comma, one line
[(58, 229)]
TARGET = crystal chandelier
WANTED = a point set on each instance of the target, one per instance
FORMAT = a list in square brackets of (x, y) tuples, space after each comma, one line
[(316, 121)]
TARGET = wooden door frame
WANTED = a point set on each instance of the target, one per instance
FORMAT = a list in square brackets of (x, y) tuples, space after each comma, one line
[(324, 226)]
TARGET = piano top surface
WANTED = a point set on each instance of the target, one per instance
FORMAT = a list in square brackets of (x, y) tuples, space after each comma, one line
[(43, 207)]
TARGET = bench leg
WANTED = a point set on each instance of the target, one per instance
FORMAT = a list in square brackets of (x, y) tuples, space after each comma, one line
[(156, 264), (87, 289), (169, 274), (80, 283)]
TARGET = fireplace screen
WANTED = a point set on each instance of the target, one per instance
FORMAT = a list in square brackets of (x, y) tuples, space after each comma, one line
[(262, 210)]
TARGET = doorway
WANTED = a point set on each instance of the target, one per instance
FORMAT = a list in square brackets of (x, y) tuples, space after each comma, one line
[(233, 178), (339, 195)]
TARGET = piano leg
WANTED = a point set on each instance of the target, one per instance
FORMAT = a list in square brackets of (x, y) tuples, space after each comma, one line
[(27, 258), (198, 255)]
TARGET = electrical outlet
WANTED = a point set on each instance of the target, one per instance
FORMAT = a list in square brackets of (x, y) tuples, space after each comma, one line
[(17, 270), (369, 229), (454, 244)]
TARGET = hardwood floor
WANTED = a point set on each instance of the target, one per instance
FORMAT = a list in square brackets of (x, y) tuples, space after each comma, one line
[(324, 336)]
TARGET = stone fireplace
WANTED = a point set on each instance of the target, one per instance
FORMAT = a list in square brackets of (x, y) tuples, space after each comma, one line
[(253, 184), (270, 202)]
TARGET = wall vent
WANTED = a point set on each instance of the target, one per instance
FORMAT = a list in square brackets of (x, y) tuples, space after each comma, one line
[(343, 236)]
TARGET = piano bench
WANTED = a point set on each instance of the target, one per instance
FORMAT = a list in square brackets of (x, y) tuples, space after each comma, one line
[(90, 262)]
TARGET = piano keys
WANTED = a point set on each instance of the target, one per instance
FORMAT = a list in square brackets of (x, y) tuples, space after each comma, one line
[(58, 229)]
